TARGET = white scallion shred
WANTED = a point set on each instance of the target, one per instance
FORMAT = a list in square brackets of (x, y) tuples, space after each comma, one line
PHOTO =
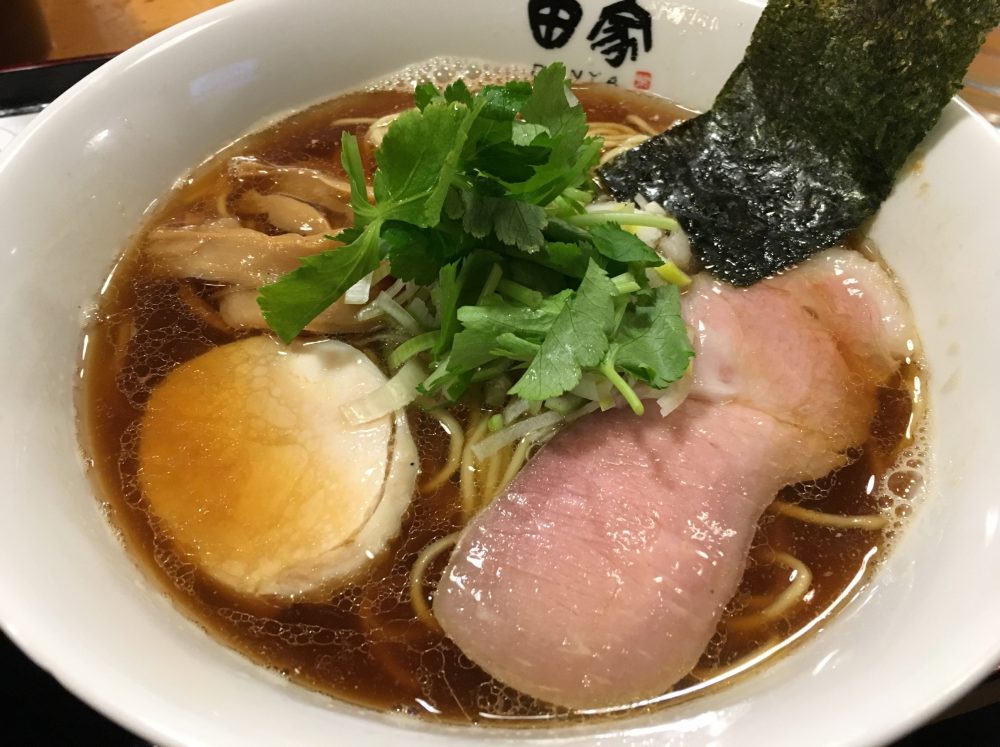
[(676, 247), (419, 311), (492, 444), (398, 314), (515, 409), (373, 310), (596, 389), (395, 288), (607, 206), (357, 294), (565, 405), (581, 411), (408, 292), (395, 394), (675, 395)]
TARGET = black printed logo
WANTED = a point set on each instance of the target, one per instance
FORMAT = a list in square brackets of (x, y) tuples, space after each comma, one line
[(553, 21), (616, 34)]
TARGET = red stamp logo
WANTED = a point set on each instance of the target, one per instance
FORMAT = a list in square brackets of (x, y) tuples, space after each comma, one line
[(643, 80)]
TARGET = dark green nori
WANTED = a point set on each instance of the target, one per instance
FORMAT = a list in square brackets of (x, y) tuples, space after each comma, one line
[(806, 138)]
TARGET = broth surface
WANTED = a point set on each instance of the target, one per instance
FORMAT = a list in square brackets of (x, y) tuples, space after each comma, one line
[(365, 645)]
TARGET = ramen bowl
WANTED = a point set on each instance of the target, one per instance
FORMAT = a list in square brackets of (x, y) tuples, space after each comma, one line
[(78, 184)]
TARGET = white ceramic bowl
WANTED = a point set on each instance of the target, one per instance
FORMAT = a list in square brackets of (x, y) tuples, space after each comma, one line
[(77, 185)]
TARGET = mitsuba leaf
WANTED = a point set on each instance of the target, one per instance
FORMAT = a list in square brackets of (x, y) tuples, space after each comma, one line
[(300, 296), (553, 106), (509, 162), (525, 133), (458, 92), (513, 222), (558, 174), (471, 348), (424, 94), (502, 103), (497, 107), (578, 339), (509, 345), (622, 246), (417, 160), (568, 258), (350, 159), (459, 286), (418, 254), (806, 138), (482, 326), (652, 341), (509, 317)]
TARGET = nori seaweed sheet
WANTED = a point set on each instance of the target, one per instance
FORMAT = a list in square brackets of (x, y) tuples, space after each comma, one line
[(806, 138)]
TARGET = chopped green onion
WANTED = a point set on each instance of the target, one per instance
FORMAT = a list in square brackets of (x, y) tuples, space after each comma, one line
[(492, 444), (671, 273), (516, 347), (584, 410), (395, 394), (430, 383), (584, 220), (515, 410), (520, 293), (495, 423), (419, 311), (625, 283), (397, 313), (492, 280), (566, 404), (413, 346), (578, 195), (491, 370)]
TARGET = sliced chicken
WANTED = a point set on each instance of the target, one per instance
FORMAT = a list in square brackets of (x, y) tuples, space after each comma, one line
[(239, 309), (313, 186), (285, 213), (226, 254), (258, 479), (599, 577)]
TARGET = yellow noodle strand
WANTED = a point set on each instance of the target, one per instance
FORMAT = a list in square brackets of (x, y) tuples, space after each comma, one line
[(346, 121), (869, 522), (455, 446), (622, 146), (641, 124), (801, 581), (467, 478), (494, 474), (517, 461), (418, 599)]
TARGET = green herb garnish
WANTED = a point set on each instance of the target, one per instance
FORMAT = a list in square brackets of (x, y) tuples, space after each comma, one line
[(481, 201)]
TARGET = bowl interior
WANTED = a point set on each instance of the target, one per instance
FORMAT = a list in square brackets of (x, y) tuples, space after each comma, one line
[(78, 184)]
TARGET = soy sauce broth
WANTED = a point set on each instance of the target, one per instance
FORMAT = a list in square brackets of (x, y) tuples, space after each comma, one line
[(364, 645)]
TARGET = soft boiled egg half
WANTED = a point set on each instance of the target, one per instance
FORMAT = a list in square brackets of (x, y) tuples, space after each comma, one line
[(257, 476)]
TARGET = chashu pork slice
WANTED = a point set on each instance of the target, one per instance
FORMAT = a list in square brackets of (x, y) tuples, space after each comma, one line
[(253, 472), (599, 576)]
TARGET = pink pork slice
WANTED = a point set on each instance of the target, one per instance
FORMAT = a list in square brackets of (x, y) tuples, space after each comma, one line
[(598, 578)]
